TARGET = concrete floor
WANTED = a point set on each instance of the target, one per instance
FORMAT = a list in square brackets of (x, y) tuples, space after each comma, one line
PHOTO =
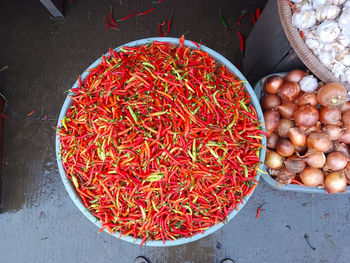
[(40, 223)]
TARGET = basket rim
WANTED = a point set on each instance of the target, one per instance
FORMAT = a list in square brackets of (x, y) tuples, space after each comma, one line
[(76, 198)]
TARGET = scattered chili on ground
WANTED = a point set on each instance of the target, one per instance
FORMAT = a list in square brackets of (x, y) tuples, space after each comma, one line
[(307, 239), (31, 113), (161, 141), (128, 16), (147, 12)]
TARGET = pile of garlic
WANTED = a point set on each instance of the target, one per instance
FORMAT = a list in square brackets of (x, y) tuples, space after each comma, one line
[(326, 28)]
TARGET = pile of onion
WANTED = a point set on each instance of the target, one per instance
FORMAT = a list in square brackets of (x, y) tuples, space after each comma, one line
[(308, 133)]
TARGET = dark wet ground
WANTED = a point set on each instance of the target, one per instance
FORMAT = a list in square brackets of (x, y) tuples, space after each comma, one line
[(40, 223)]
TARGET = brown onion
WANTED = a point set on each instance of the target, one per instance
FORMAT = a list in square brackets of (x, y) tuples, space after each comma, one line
[(318, 141), (289, 91), (295, 75), (283, 127), (271, 140), (332, 95), (314, 128), (335, 161), (345, 138), (297, 136), (287, 109), (345, 107), (346, 118), (343, 148), (315, 158), (331, 149), (308, 98), (272, 118), (272, 84), (269, 101), (284, 176), (330, 115), (334, 132), (294, 164), (335, 182), (273, 160), (347, 172), (306, 116), (312, 176), (285, 147)]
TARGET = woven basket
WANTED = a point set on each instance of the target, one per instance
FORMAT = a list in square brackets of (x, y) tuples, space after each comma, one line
[(299, 46)]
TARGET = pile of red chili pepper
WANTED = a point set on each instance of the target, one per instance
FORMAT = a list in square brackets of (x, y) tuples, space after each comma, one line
[(161, 141)]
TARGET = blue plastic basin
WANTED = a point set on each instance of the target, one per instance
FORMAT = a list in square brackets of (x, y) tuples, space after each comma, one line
[(68, 102)]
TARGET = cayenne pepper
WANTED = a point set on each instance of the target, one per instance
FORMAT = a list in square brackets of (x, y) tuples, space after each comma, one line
[(160, 141)]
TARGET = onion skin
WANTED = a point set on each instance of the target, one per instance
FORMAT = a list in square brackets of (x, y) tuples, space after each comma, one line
[(273, 160), (283, 127), (285, 147), (333, 131), (314, 158), (317, 127), (308, 98), (312, 177), (318, 141), (295, 75), (272, 118), (330, 115), (294, 164), (345, 138), (272, 84), (287, 109), (335, 182), (332, 95), (297, 136), (347, 172), (343, 148), (289, 91), (335, 161), (272, 140), (345, 107), (346, 118), (306, 116), (269, 101), (283, 176)]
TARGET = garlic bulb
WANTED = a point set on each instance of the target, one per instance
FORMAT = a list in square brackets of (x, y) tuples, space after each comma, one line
[(344, 57), (335, 2), (347, 4), (345, 41), (304, 19), (327, 31), (304, 7), (326, 58), (308, 83), (312, 43), (338, 70), (347, 75), (344, 19), (297, 1), (317, 3), (329, 12), (334, 46)]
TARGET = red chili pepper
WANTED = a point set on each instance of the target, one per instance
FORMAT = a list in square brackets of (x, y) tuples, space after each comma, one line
[(147, 12), (4, 116), (257, 13), (241, 41), (169, 27), (302, 34), (253, 18), (128, 16), (31, 113), (112, 19), (258, 212)]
